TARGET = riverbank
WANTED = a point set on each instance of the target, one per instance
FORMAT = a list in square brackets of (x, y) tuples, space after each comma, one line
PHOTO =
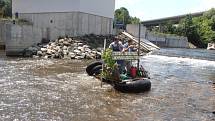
[(85, 47)]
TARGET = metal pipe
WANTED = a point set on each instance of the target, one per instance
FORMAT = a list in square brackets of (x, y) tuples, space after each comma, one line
[(138, 63)]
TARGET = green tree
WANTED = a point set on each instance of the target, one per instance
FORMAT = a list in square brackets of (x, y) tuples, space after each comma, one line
[(190, 30), (7, 8), (169, 28), (134, 20), (2, 4), (122, 15)]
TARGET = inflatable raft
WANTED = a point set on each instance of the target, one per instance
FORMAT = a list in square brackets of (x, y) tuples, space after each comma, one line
[(129, 86)]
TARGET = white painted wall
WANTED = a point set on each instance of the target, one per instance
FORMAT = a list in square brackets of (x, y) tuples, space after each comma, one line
[(103, 8), (98, 7)]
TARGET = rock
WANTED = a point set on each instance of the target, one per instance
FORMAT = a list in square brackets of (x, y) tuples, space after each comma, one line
[(65, 52), (60, 44), (57, 48), (40, 53), (56, 55), (70, 40), (65, 47), (35, 56), (99, 49), (47, 56), (99, 53), (83, 54), (70, 49), (66, 43), (43, 49), (88, 50), (29, 52), (72, 56), (53, 44), (86, 46), (49, 52), (89, 56), (94, 52), (80, 44), (66, 57), (77, 51), (61, 40), (79, 57)]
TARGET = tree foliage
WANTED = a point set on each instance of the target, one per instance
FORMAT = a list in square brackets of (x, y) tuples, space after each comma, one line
[(5, 5), (135, 20), (122, 16)]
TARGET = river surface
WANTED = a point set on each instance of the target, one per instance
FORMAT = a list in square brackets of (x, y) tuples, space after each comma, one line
[(183, 89)]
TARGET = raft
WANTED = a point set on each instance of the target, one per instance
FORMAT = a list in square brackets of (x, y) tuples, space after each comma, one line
[(135, 86), (94, 68), (131, 86)]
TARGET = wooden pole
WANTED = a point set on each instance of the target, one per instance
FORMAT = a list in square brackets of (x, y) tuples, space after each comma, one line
[(105, 42), (138, 63)]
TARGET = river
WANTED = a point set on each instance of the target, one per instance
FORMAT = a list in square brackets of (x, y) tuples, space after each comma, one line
[(183, 89)]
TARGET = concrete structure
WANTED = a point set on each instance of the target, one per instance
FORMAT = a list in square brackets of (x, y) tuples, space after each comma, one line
[(3, 34), (67, 17), (19, 36), (49, 19), (160, 40), (165, 40), (134, 30), (174, 19)]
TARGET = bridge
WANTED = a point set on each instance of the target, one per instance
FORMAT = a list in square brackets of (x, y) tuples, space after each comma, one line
[(173, 19)]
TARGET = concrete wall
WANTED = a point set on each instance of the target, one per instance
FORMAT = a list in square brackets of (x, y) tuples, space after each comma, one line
[(164, 40), (2, 34), (134, 30), (19, 36), (103, 8), (98, 7), (54, 25), (160, 40)]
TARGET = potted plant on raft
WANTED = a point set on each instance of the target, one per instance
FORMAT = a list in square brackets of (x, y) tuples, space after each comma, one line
[(110, 70)]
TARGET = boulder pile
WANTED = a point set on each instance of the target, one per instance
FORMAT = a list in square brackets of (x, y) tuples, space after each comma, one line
[(65, 48)]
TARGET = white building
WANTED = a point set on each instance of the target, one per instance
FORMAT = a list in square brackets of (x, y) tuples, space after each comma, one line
[(67, 17)]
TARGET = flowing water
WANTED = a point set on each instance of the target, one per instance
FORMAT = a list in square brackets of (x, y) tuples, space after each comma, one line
[(183, 89)]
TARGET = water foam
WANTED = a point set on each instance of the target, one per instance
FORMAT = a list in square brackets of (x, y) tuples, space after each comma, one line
[(180, 60)]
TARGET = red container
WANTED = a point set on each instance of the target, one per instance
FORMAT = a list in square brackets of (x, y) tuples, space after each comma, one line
[(133, 72)]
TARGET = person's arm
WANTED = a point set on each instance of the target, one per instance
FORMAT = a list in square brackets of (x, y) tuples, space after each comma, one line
[(111, 46), (125, 47)]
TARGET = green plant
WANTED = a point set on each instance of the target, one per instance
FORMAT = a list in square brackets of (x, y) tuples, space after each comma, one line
[(110, 67), (107, 57)]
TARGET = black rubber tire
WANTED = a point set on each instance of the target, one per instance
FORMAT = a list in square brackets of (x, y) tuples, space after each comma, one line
[(133, 87), (95, 70), (92, 65)]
